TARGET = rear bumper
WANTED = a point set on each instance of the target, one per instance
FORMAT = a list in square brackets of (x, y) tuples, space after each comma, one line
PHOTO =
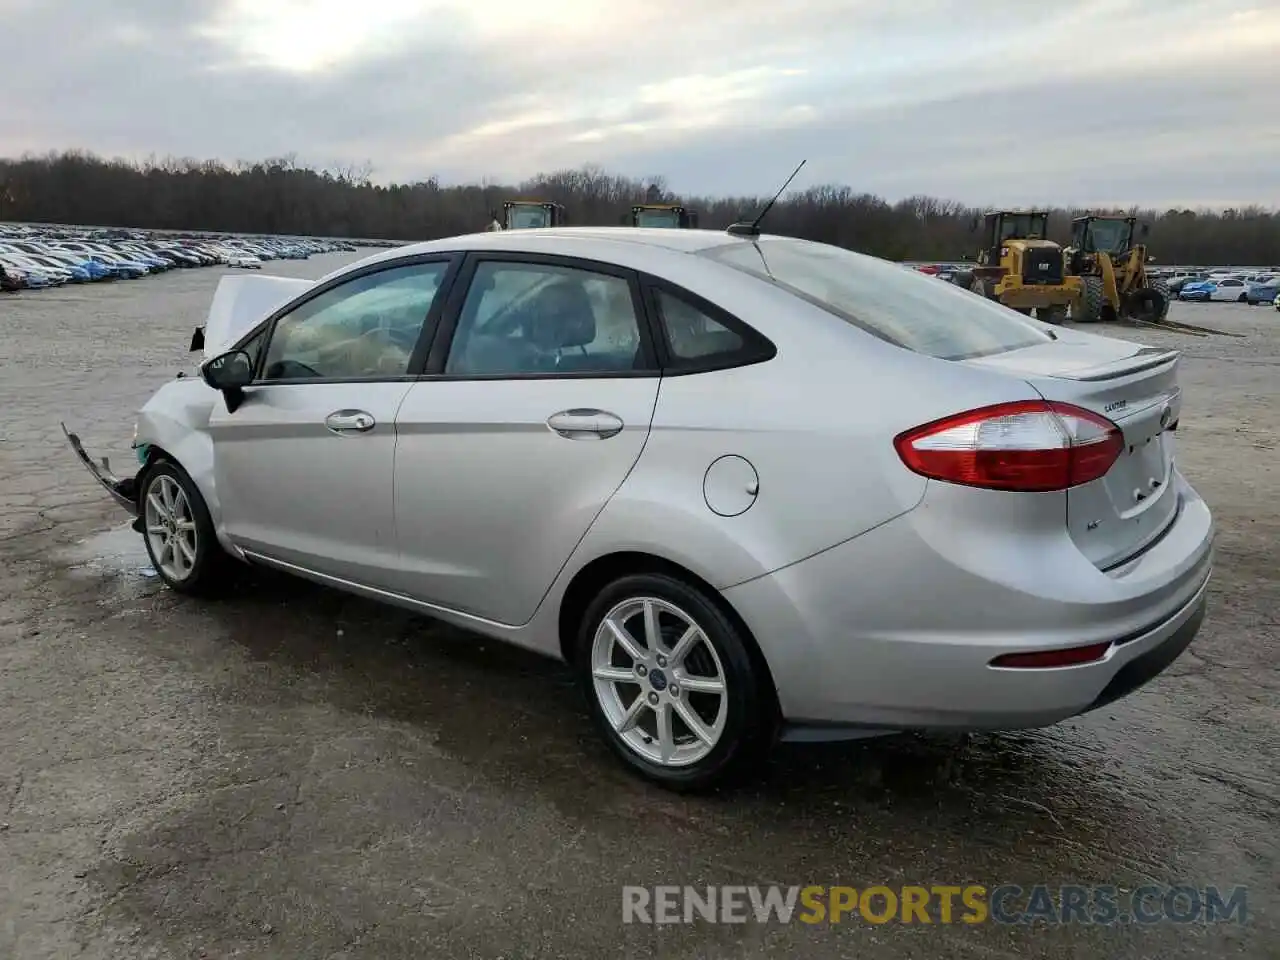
[(897, 629), (122, 491)]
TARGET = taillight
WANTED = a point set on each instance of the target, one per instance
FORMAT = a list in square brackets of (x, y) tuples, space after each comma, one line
[(1029, 445)]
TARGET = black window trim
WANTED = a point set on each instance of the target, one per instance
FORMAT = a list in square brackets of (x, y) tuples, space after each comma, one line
[(430, 326), (446, 328), (757, 348)]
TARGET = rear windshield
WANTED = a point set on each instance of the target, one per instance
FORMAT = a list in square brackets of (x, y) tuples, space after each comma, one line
[(897, 304)]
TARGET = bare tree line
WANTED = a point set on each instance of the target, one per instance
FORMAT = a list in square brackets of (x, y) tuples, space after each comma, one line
[(281, 195)]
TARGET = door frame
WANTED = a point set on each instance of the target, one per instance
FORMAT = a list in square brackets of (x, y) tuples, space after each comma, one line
[(460, 287), (426, 336)]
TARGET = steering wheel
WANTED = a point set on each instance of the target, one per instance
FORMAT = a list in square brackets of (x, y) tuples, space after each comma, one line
[(405, 339)]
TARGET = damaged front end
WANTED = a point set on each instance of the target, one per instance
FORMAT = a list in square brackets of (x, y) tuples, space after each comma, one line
[(123, 491)]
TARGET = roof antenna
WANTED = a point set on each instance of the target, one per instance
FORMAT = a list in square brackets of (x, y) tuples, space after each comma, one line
[(752, 229)]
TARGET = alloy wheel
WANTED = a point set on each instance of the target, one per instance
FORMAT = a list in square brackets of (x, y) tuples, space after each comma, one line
[(171, 528), (659, 681)]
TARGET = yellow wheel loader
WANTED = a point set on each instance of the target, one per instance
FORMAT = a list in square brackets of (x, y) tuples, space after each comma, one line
[(1020, 267), (1113, 270), (528, 215), (672, 216)]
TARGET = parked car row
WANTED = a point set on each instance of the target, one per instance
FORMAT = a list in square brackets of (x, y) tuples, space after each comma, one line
[(34, 258), (1231, 288)]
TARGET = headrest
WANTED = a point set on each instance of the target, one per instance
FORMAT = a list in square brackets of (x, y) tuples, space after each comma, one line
[(563, 316)]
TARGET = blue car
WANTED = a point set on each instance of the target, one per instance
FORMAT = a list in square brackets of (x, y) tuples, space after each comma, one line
[(78, 273), (74, 258), (120, 267), (1267, 292)]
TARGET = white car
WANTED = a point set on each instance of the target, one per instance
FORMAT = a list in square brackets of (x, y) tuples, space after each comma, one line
[(745, 485), (1221, 289)]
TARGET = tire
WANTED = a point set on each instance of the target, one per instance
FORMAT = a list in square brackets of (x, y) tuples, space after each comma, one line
[(1145, 305), (1243, 298), (1089, 306), (1056, 314), (174, 512), (1162, 288), (627, 695)]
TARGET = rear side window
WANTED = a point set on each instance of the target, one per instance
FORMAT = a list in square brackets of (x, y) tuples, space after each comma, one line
[(691, 334), (905, 307), (699, 336)]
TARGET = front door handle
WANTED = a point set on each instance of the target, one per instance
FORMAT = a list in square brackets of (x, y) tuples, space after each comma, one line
[(345, 422), (585, 424)]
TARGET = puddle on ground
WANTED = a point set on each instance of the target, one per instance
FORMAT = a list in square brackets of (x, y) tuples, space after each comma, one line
[(119, 551)]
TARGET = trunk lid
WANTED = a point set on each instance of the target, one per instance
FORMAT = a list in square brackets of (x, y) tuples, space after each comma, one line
[(1136, 388)]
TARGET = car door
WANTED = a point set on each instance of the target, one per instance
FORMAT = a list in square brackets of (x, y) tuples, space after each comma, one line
[(303, 465), (1230, 290), (536, 405)]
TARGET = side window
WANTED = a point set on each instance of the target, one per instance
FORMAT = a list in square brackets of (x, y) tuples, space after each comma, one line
[(253, 346), (693, 336), (521, 318), (365, 328)]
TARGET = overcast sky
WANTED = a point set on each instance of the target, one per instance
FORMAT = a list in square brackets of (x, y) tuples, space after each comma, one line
[(1155, 102)]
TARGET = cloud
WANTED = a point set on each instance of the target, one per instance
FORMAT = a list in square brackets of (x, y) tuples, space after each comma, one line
[(1164, 102)]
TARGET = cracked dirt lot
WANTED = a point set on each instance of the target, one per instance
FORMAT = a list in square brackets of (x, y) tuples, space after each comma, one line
[(294, 773)]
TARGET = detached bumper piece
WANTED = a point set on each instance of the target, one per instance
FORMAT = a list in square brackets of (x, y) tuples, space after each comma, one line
[(124, 492)]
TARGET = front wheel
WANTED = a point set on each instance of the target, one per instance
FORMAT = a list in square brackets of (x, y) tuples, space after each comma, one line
[(178, 532), (671, 683)]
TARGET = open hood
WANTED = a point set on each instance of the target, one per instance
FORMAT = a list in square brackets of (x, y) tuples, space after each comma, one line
[(239, 304)]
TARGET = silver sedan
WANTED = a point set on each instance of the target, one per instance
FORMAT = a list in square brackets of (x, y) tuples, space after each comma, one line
[(749, 487)]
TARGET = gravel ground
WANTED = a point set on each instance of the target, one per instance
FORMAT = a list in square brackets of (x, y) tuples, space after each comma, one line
[(294, 773)]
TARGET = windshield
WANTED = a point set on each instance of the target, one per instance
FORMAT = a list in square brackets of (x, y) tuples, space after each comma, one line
[(657, 218), (528, 218), (1109, 236), (904, 307), (1024, 225)]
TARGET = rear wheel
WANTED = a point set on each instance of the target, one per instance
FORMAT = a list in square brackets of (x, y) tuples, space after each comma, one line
[(1087, 308), (178, 532), (1055, 314), (671, 683), (1243, 298)]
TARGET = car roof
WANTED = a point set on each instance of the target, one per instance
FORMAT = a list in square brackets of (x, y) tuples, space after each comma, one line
[(566, 241), (688, 241)]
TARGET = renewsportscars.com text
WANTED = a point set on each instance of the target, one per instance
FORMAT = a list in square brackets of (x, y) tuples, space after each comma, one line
[(936, 904)]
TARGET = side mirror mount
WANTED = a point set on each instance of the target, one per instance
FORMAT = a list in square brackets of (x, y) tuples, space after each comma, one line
[(230, 373)]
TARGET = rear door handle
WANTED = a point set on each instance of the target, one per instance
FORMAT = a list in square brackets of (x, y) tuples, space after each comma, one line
[(345, 422), (583, 423)]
